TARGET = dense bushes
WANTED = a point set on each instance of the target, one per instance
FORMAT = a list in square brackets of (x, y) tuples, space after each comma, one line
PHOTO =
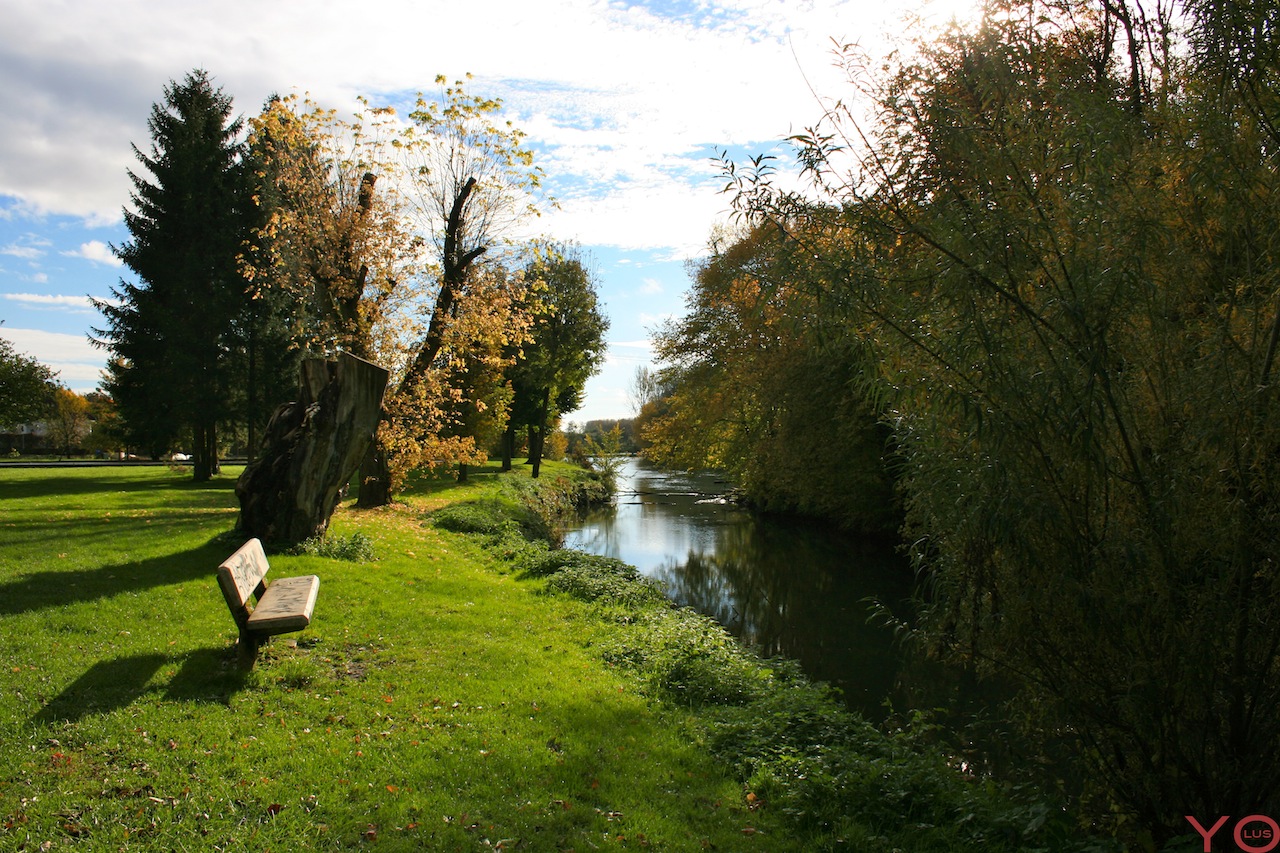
[(528, 510), (765, 384)]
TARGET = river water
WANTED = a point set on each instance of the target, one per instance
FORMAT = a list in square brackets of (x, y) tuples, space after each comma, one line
[(789, 588)]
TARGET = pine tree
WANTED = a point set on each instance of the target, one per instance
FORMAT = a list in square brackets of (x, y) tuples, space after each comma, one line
[(173, 334)]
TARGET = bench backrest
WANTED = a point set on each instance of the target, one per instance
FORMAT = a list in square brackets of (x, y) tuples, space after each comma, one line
[(240, 576)]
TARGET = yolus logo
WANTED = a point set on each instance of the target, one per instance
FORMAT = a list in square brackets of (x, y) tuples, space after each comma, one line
[(1256, 833)]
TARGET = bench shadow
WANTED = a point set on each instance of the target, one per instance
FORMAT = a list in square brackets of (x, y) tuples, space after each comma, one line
[(208, 675), (59, 588)]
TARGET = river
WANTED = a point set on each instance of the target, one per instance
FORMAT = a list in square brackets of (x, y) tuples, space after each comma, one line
[(790, 588)]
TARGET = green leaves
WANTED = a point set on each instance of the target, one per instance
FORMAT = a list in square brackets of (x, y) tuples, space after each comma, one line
[(1064, 269), (26, 386)]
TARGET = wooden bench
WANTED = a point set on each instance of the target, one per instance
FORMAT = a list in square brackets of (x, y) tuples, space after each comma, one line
[(282, 607)]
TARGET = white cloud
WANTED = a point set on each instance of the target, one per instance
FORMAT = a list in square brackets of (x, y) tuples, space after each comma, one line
[(50, 347), (607, 91), (651, 320), (96, 251), (31, 251), (622, 104), (651, 287), (39, 300), (77, 362), (27, 253), (659, 214), (628, 354), (79, 377)]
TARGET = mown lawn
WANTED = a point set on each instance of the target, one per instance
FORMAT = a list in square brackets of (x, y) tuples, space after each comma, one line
[(437, 702)]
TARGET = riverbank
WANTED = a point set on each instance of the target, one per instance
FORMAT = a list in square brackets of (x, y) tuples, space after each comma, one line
[(470, 688), (787, 586)]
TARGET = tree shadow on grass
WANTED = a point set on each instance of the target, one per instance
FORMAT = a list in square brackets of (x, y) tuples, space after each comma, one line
[(57, 588), (207, 675), (110, 481)]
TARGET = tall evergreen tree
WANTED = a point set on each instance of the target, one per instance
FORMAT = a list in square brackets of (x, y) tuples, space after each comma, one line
[(174, 333)]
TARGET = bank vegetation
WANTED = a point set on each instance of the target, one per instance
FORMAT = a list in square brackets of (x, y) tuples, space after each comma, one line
[(1029, 280)]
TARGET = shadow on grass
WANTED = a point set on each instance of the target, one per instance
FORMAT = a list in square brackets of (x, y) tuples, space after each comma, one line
[(109, 481), (57, 588), (425, 481), (204, 675)]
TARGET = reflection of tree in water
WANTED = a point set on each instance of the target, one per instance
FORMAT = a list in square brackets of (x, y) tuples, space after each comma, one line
[(800, 591), (602, 539), (787, 587)]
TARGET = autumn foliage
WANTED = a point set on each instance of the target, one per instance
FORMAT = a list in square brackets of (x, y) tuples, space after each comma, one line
[(385, 238)]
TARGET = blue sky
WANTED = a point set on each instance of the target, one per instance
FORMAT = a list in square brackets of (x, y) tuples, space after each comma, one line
[(624, 104)]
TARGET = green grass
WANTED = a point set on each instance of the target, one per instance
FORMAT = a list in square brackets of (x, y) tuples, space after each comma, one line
[(467, 689), (435, 702)]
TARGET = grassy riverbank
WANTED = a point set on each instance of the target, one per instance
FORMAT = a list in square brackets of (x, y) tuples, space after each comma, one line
[(467, 689)]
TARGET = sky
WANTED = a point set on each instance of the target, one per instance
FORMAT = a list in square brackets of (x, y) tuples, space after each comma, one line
[(625, 105)]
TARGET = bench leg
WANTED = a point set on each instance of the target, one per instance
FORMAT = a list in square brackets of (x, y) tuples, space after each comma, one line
[(247, 649)]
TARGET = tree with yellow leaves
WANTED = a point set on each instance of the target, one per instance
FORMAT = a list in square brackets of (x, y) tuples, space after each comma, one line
[(378, 234)]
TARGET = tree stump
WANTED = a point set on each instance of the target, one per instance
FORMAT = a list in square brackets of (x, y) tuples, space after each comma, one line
[(311, 449)]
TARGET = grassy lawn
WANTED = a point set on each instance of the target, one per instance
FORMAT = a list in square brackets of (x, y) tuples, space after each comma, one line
[(437, 702)]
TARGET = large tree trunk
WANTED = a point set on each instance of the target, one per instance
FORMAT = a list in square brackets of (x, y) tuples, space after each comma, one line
[(508, 445), (310, 451), (202, 467), (375, 477), (537, 436), (211, 448), (538, 433)]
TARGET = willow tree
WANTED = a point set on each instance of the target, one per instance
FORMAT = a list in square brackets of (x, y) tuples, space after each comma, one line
[(766, 385), (1064, 250)]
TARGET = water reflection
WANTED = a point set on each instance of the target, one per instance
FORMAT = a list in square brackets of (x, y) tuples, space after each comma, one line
[(788, 588)]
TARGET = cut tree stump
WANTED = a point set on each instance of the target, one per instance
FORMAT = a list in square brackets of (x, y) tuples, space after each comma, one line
[(311, 450)]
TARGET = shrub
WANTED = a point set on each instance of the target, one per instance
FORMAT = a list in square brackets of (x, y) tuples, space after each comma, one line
[(484, 517), (552, 560), (605, 580), (356, 548), (556, 501), (687, 658)]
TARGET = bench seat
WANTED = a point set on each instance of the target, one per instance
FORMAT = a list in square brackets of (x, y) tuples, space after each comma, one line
[(285, 606)]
